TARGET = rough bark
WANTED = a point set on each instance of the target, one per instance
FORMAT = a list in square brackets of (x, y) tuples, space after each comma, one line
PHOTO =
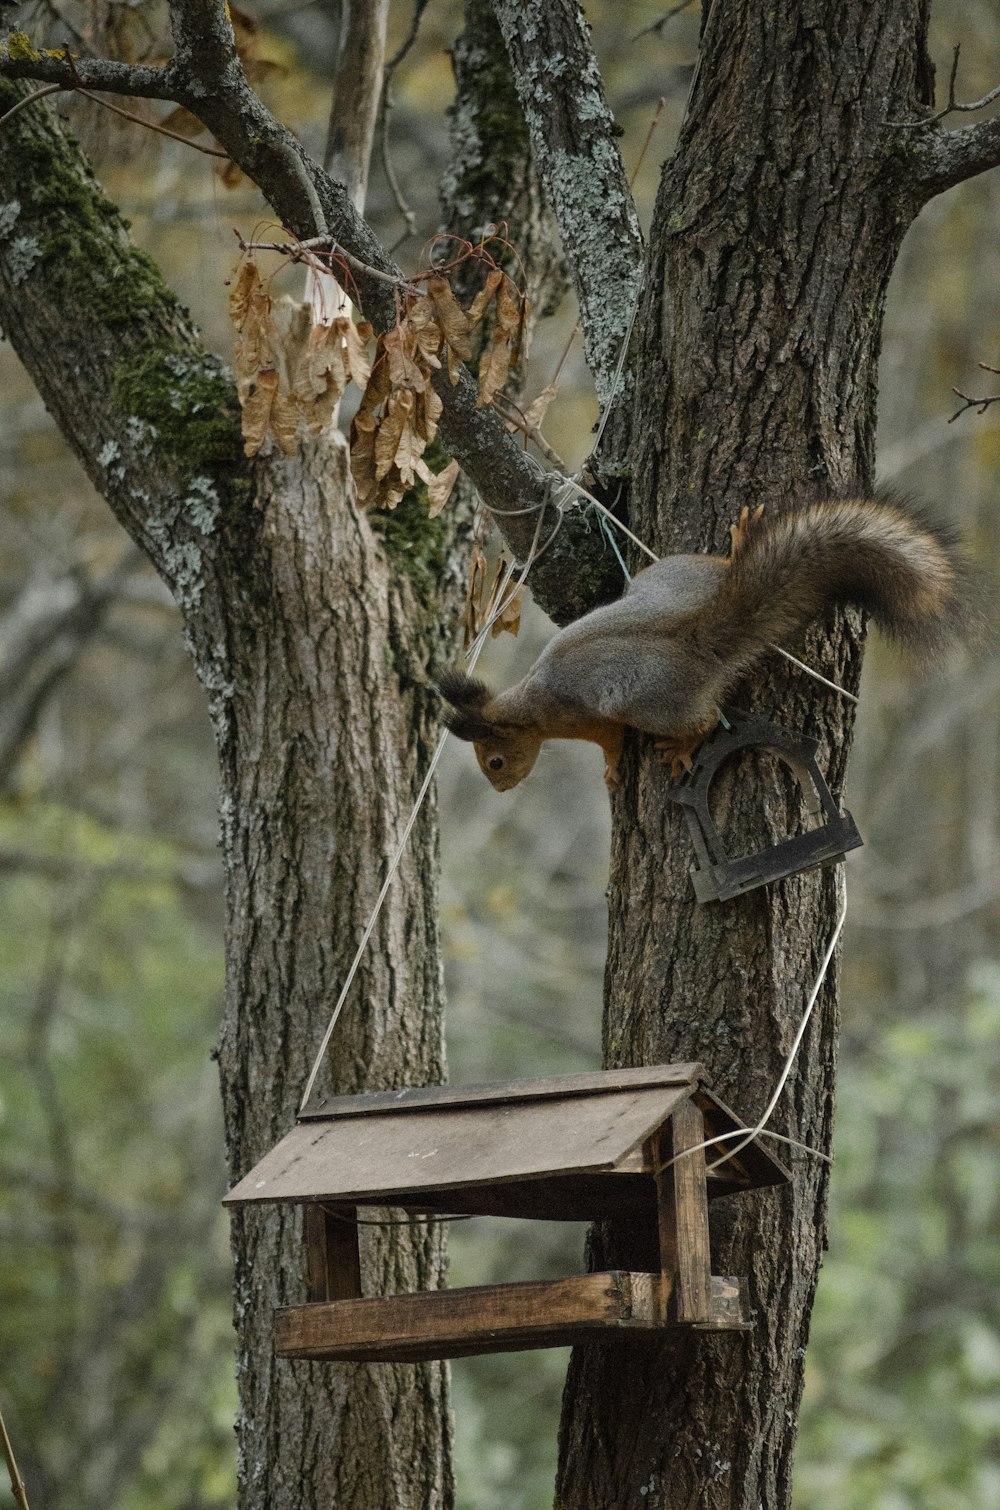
[(314, 649), (776, 229), (331, 732), (576, 152)]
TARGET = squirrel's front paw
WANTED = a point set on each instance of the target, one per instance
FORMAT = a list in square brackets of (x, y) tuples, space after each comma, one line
[(612, 779)]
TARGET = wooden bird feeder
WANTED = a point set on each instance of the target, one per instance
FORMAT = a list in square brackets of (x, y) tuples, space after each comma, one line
[(591, 1147)]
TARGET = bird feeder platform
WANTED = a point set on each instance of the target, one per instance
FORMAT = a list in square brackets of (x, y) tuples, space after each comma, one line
[(594, 1147)]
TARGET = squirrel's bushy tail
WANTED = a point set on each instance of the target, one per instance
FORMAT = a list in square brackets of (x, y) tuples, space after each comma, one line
[(877, 554)]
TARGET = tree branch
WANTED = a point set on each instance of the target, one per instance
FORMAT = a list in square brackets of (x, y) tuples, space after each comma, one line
[(941, 159), (205, 75), (140, 81), (574, 145)]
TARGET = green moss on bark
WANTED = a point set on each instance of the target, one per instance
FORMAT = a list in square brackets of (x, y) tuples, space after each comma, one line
[(189, 405), (82, 237), (415, 543)]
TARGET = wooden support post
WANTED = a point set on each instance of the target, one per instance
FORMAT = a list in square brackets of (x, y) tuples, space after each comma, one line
[(333, 1263), (682, 1215)]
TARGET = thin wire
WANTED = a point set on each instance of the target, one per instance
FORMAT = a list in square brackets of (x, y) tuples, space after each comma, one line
[(749, 1136), (473, 655), (814, 996), (616, 379)]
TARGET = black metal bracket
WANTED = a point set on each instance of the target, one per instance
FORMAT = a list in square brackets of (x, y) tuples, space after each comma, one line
[(716, 877)]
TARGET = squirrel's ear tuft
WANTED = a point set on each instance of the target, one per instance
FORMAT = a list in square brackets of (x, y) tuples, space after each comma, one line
[(463, 692), (468, 726)]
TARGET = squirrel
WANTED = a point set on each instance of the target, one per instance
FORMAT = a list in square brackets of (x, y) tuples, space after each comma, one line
[(662, 657)]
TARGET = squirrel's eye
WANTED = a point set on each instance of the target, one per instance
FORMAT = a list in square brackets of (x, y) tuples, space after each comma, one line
[(496, 763)]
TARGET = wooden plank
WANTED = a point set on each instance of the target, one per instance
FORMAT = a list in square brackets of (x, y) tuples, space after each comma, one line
[(333, 1263), (753, 1166), (429, 1097), (728, 1307), (682, 1211), (487, 1319), (379, 1159)]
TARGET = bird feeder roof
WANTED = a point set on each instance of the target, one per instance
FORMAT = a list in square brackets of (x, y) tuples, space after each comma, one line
[(572, 1147)]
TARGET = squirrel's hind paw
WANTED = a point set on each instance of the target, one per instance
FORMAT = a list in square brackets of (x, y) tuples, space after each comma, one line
[(676, 751), (738, 532)]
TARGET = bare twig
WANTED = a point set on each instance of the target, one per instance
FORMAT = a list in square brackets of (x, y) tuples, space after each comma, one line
[(301, 251), (152, 125), (141, 80), (979, 404), (29, 99), (71, 87), (657, 26), (952, 104), (17, 1485), (514, 415), (388, 104)]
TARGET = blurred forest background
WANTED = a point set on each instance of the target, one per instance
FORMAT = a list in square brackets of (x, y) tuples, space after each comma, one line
[(116, 1358)]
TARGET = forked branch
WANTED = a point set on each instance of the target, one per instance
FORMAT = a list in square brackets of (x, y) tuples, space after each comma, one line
[(205, 75)]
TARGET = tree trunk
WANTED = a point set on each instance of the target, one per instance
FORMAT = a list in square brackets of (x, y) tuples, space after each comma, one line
[(314, 646), (777, 225), (328, 737)]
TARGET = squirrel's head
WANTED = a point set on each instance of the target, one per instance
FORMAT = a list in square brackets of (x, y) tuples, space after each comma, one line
[(505, 753)]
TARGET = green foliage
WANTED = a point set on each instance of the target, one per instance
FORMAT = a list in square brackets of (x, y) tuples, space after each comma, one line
[(902, 1405), (114, 1325)]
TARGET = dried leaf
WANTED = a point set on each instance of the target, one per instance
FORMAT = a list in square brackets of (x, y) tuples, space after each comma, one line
[(454, 364), (451, 317), (321, 365), (439, 488), (421, 319), (247, 279), (183, 122), (397, 417), (363, 454), (285, 417), (379, 384), (482, 300), (509, 303), (228, 174), (403, 370), (356, 339), (474, 594), (428, 412), (249, 40), (508, 620), (537, 409), (257, 410), (494, 368), (289, 331), (411, 445)]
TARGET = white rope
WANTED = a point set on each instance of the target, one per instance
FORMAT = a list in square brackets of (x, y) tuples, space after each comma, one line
[(787, 1070), (750, 1135), (473, 655)]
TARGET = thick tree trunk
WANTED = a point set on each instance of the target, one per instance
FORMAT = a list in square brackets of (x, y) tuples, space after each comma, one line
[(328, 738), (314, 648), (777, 226)]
